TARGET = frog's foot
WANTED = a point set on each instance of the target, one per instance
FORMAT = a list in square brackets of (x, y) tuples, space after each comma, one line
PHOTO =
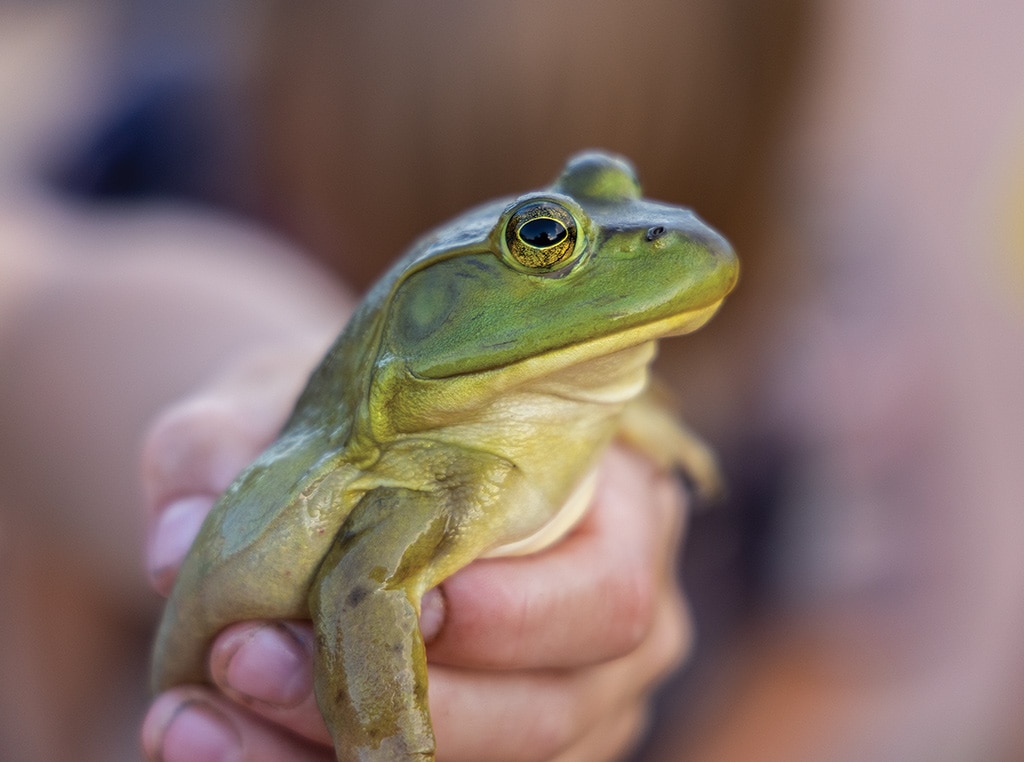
[(649, 425)]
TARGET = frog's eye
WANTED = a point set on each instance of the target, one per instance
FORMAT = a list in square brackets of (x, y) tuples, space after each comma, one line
[(541, 235)]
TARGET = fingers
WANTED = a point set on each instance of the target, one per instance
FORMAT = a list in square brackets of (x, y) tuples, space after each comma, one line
[(267, 667), (591, 713), (170, 537), (509, 614), (189, 457), (556, 713), (194, 450), (195, 725), (198, 446)]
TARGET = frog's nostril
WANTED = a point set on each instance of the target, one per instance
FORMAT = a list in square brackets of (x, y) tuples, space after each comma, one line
[(656, 232)]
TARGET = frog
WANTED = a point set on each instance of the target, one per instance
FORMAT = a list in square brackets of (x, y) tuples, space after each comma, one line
[(460, 415)]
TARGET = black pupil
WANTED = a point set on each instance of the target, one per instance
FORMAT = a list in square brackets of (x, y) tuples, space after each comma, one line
[(543, 232)]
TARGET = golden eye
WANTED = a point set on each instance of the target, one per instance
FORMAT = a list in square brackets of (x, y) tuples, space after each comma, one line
[(541, 235)]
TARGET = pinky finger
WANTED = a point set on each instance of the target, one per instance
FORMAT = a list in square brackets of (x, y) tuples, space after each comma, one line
[(191, 724)]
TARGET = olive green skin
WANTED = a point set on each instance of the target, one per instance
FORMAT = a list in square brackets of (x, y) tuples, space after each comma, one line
[(456, 417)]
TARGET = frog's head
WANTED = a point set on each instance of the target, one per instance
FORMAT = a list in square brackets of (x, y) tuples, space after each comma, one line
[(522, 290), (586, 260)]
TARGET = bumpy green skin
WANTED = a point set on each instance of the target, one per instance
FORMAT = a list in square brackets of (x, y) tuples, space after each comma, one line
[(455, 416)]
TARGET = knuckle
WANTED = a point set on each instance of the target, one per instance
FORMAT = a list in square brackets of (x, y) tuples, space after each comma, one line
[(168, 436), (183, 448), (632, 605)]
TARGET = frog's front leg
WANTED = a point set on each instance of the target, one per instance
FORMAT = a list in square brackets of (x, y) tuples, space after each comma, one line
[(371, 672), (398, 542)]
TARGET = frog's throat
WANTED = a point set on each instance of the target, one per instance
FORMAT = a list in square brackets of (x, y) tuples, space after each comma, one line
[(564, 520)]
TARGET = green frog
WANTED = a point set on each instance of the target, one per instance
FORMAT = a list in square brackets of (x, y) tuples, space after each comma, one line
[(460, 415)]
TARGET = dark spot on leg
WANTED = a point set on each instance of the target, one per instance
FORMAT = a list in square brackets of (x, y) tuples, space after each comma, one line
[(356, 597)]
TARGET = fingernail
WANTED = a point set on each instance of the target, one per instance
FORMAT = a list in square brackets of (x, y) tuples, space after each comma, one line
[(271, 665), (432, 611), (172, 536), (195, 732)]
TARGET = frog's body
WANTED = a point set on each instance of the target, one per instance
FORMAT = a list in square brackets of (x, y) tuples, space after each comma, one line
[(459, 415)]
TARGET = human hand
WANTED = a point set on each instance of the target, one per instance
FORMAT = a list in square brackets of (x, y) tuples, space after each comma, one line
[(565, 645)]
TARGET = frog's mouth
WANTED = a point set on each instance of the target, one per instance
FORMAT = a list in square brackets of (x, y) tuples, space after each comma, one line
[(559, 358), (674, 325)]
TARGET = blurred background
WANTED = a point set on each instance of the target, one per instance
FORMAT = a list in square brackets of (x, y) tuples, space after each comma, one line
[(164, 167)]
